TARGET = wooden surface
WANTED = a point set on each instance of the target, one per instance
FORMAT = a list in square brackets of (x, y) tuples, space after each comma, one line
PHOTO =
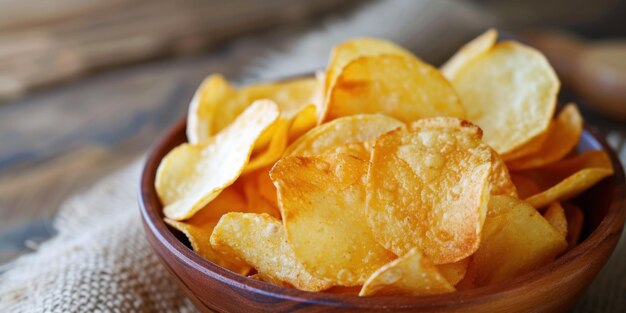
[(45, 42), (552, 288), (56, 142)]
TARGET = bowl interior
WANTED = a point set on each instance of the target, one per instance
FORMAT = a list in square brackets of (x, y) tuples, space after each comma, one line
[(603, 206)]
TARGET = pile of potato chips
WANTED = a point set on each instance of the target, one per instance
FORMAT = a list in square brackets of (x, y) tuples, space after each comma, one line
[(384, 175)]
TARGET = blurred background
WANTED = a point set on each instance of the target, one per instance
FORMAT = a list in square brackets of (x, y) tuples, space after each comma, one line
[(87, 85)]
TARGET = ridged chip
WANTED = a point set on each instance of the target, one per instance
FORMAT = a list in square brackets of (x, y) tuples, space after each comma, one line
[(410, 275), (190, 176), (429, 188), (260, 241), (322, 201)]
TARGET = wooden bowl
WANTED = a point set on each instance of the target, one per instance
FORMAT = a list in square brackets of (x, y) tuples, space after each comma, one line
[(553, 288)]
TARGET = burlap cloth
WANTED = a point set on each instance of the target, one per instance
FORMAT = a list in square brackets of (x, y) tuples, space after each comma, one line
[(100, 260)]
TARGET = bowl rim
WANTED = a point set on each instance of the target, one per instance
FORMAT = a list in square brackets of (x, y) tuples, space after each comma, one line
[(611, 225)]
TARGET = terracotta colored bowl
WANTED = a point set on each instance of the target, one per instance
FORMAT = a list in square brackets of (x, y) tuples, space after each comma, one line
[(553, 288)]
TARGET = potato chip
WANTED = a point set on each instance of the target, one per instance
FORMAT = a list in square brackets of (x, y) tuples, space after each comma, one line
[(469, 52), (346, 130), (260, 240), (575, 221), (400, 87), (500, 179), (216, 104), (454, 272), (413, 274), (266, 187), (255, 202), (570, 186), (198, 229), (350, 50), (563, 135), (555, 215), (276, 147), (551, 174), (531, 146), (525, 186), (302, 122), (190, 176), (322, 201), (429, 188), (516, 239), (510, 92)]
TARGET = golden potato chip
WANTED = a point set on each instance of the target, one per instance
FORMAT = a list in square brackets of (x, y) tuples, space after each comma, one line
[(555, 215), (346, 130), (350, 50), (202, 110), (510, 92), (322, 201), (525, 186), (575, 221), (429, 188), (260, 240), (198, 229), (190, 176), (276, 147), (500, 179), (469, 52), (266, 187), (551, 174), (303, 122), (570, 186), (216, 104), (563, 135), (400, 87), (531, 146), (454, 272), (516, 239), (255, 202), (413, 274)]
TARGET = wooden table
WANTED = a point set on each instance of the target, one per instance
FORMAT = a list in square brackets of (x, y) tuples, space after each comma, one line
[(58, 141)]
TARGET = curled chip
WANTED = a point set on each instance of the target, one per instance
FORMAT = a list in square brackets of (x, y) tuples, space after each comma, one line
[(322, 201), (500, 179), (355, 129), (454, 272), (525, 186), (575, 221), (555, 215), (563, 135), (350, 50), (278, 143), (516, 239), (469, 52), (403, 88), (198, 229), (592, 168), (510, 92), (411, 275), (429, 188), (260, 240), (190, 176), (216, 104), (255, 202), (531, 146)]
